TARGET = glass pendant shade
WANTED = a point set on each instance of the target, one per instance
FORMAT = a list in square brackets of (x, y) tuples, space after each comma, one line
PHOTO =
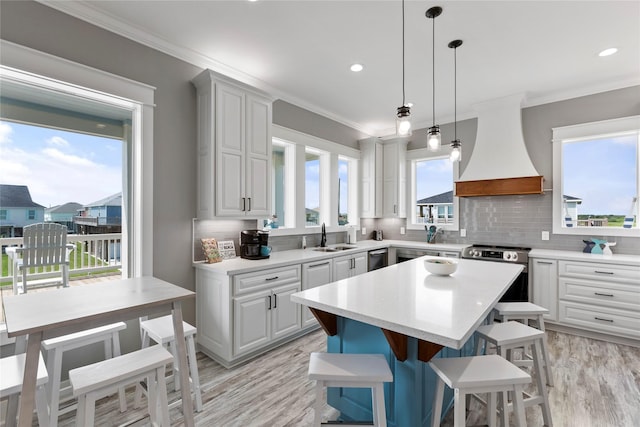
[(434, 138), (403, 121), (456, 151)]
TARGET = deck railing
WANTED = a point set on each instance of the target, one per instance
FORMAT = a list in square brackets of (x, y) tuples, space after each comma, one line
[(91, 253)]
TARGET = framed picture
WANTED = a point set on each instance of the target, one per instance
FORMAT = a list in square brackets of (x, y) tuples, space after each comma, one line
[(227, 249)]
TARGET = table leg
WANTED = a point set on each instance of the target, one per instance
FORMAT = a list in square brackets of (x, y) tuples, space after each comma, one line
[(187, 404), (27, 398)]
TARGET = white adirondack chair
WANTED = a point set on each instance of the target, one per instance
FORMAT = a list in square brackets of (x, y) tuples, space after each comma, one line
[(44, 245)]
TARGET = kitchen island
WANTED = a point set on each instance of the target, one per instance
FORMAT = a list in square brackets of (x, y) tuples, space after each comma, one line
[(410, 316)]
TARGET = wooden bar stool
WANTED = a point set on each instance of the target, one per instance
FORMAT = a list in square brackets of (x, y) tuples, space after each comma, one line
[(509, 335), (161, 331), (93, 382), (55, 347), (531, 315), (11, 375), (479, 374), (349, 371)]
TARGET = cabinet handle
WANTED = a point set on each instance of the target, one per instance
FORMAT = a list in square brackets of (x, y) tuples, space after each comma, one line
[(545, 262), (604, 320), (249, 205), (269, 298), (244, 204), (603, 272), (268, 279), (275, 300), (394, 208), (318, 265), (603, 295)]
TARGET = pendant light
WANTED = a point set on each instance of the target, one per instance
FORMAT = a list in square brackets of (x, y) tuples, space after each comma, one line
[(433, 133), (403, 122), (456, 146)]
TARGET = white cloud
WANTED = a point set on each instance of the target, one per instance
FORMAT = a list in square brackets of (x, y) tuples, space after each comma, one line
[(58, 141), (5, 133), (68, 159)]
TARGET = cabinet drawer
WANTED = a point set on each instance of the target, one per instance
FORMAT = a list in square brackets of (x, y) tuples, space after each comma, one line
[(606, 272), (250, 282), (615, 295), (607, 320)]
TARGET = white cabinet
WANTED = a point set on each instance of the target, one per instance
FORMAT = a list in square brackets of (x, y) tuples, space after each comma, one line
[(315, 274), (394, 180), (383, 178), (600, 296), (371, 178), (349, 265), (262, 307), (544, 281), (234, 148)]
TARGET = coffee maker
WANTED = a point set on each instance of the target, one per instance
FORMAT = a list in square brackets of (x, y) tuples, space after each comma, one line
[(251, 242)]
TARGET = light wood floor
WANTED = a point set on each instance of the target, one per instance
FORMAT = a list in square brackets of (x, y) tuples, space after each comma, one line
[(596, 384)]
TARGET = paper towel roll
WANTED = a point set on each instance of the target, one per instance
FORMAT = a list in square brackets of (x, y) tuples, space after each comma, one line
[(352, 234)]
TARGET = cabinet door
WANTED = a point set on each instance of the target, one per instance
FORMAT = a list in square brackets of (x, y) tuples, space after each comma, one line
[(258, 152), (314, 274), (342, 267), (360, 263), (394, 180), (545, 286), (285, 314), (252, 322), (230, 156)]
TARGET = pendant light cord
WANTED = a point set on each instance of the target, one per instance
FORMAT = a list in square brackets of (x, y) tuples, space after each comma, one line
[(455, 93), (403, 97), (433, 75)]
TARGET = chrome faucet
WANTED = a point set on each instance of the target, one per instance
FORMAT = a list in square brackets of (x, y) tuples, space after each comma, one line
[(323, 239)]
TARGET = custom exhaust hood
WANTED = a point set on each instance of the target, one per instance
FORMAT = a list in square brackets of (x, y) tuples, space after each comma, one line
[(499, 164)]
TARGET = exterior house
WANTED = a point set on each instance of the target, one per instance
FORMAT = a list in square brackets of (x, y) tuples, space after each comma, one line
[(436, 209), (63, 214), (102, 216), (17, 210), (571, 208)]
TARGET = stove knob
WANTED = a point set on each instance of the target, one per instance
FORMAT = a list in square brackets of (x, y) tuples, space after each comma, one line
[(514, 256), (476, 253), (507, 256)]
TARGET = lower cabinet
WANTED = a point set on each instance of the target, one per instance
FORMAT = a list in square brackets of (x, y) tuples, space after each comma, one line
[(349, 265), (264, 316), (544, 280), (315, 274)]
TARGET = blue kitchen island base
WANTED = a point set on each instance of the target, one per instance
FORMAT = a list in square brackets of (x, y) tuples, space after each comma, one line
[(409, 397)]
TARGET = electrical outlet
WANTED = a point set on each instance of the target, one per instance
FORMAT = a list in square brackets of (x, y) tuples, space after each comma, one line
[(364, 230), (463, 232), (402, 230), (545, 235)]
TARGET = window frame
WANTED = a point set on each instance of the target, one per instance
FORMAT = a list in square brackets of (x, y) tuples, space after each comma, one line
[(329, 180), (422, 154), (583, 132)]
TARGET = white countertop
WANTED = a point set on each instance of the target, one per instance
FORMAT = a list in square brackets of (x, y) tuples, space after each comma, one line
[(407, 299), (296, 256), (581, 256)]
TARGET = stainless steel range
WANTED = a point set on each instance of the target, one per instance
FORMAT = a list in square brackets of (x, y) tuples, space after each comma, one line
[(519, 290)]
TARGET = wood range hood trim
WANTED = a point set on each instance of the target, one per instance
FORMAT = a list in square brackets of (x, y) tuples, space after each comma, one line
[(500, 187)]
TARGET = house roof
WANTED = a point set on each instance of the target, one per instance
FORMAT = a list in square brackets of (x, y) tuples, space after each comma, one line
[(16, 196), (70, 207), (438, 199), (568, 198), (113, 200)]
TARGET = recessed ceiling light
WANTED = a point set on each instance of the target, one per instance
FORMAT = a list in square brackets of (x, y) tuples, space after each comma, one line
[(608, 52), (356, 68)]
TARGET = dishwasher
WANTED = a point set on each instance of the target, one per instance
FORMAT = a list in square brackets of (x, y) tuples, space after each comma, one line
[(378, 259)]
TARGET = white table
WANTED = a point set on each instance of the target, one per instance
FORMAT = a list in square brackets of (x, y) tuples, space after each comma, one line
[(44, 315)]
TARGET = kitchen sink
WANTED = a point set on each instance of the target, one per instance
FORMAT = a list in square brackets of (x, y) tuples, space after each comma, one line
[(334, 248)]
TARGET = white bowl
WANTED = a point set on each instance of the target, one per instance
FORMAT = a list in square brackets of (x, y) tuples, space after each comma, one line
[(440, 266)]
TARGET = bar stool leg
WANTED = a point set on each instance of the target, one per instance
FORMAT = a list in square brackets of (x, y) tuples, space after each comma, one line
[(115, 352), (436, 409), (377, 400), (545, 351), (163, 399), (137, 400), (193, 371), (491, 409), (317, 419), (54, 368), (518, 406), (459, 409), (542, 388)]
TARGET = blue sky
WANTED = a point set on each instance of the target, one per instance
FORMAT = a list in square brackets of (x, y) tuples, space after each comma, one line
[(433, 177), (603, 173), (58, 166)]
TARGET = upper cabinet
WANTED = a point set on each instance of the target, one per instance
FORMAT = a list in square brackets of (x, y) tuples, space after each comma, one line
[(383, 178), (234, 148)]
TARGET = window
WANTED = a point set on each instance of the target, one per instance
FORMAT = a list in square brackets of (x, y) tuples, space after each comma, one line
[(3, 214), (432, 201), (312, 191), (283, 191), (31, 214), (596, 178), (347, 191)]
